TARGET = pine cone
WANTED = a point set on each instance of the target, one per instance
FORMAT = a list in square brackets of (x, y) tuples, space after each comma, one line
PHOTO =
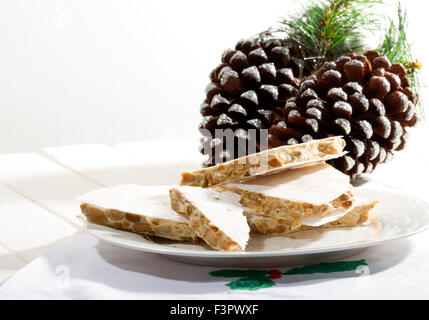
[(253, 80), (364, 98)]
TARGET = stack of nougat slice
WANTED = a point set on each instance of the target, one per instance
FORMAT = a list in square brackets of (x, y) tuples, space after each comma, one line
[(213, 216), (277, 191), (300, 198)]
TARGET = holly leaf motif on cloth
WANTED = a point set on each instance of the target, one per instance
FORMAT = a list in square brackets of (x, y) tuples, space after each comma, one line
[(261, 279), (331, 267), (251, 283)]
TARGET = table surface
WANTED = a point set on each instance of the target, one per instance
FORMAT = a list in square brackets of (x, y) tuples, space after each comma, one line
[(38, 190)]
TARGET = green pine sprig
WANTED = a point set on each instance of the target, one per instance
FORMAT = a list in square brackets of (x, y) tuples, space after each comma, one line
[(327, 29), (397, 48)]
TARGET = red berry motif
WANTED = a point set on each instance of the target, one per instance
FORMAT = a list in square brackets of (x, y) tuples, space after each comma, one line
[(275, 274)]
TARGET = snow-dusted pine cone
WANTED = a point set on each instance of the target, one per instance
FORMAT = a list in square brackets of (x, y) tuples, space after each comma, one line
[(364, 98), (254, 79)]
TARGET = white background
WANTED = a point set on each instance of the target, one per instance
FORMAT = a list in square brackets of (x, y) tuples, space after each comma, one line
[(113, 71)]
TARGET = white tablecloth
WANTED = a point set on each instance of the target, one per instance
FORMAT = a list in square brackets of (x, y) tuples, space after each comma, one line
[(82, 267)]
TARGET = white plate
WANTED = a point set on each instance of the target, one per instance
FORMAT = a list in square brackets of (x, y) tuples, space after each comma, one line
[(396, 216)]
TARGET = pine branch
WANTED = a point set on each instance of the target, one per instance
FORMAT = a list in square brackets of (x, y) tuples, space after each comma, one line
[(327, 29), (396, 47)]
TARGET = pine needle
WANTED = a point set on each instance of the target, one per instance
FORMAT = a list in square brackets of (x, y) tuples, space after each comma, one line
[(327, 29), (396, 47)]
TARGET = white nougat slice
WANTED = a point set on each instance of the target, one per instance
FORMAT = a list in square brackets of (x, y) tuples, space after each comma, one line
[(313, 190), (272, 160), (354, 217), (140, 209), (216, 217)]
